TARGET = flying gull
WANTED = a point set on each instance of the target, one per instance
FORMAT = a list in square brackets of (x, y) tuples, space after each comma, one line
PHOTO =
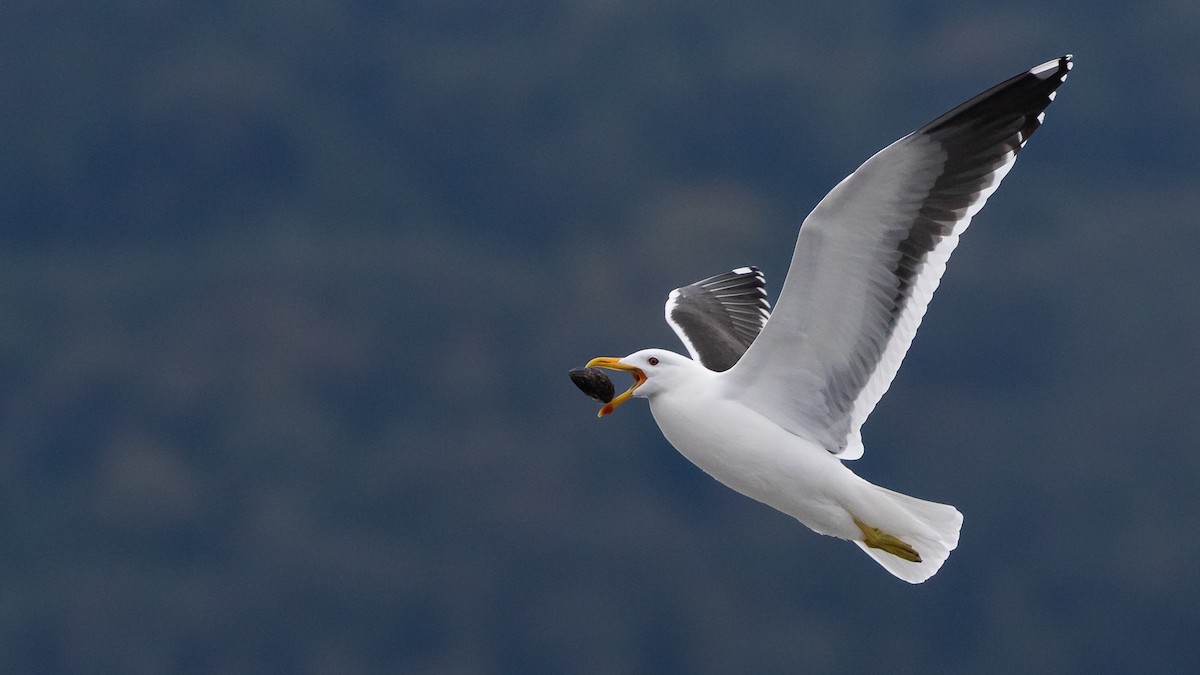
[(771, 401)]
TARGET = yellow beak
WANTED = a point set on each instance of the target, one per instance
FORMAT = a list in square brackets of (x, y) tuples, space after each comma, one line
[(613, 363)]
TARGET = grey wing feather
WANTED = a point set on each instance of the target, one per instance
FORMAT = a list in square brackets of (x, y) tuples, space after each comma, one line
[(719, 317)]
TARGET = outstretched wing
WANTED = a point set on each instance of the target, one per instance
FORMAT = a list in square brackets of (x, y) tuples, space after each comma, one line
[(869, 257), (719, 317)]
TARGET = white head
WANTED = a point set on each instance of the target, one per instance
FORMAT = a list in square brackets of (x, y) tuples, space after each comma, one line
[(653, 370)]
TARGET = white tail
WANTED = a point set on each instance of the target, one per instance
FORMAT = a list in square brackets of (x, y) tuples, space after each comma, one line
[(928, 527)]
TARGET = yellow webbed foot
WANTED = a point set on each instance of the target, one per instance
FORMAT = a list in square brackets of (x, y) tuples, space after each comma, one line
[(883, 541)]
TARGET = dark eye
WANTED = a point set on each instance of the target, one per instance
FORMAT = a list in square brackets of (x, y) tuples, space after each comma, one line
[(653, 360)]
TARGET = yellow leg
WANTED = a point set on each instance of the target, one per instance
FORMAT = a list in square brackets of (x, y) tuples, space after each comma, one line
[(883, 541)]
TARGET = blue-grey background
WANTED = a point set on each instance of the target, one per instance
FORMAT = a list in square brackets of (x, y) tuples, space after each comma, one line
[(289, 290)]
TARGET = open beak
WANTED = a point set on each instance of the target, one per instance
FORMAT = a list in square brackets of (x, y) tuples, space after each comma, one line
[(613, 363)]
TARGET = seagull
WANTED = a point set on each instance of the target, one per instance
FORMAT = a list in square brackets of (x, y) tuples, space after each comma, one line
[(771, 401)]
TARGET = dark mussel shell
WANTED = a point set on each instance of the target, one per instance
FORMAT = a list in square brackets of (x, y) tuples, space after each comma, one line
[(594, 382)]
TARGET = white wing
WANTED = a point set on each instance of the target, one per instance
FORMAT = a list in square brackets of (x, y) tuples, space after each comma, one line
[(869, 257)]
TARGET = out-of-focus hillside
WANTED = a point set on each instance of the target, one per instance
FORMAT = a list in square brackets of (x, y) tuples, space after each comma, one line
[(289, 290)]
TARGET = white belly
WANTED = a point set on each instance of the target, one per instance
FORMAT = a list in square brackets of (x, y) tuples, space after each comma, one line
[(759, 459)]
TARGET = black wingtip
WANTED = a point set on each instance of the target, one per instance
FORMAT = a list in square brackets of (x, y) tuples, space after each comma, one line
[(1054, 68), (1026, 95)]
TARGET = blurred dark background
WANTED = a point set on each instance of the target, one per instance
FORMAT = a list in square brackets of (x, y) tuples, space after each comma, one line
[(289, 290)]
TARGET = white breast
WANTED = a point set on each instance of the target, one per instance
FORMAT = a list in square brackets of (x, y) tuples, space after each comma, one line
[(755, 456)]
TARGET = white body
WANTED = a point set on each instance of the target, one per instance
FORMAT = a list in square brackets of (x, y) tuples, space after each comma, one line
[(746, 452)]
